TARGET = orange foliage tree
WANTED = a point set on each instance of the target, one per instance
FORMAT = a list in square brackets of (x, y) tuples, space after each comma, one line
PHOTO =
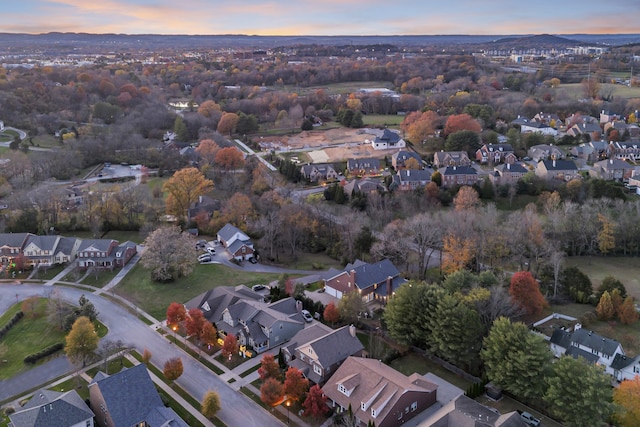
[(627, 312), (207, 149), (331, 313), (271, 392), (315, 405), (195, 322), (209, 334), (458, 122), (173, 369), (467, 199), (229, 158), (295, 385), (458, 253), (627, 399), (176, 314), (269, 368), (525, 291), (228, 123), (230, 346)]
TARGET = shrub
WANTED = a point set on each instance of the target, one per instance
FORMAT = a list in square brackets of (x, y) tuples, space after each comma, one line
[(6, 328), (34, 357), (9, 410)]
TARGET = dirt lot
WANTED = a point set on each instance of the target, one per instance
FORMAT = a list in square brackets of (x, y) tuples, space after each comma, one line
[(331, 145)]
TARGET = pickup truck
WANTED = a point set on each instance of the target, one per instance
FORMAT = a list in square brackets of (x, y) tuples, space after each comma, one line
[(529, 419)]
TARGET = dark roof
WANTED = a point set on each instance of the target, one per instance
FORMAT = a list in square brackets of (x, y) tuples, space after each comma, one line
[(336, 346), (512, 168), (237, 244), (14, 240), (576, 352), (161, 416), (129, 395), (364, 163), (459, 170), (49, 408), (66, 244), (310, 333), (620, 361), (228, 231), (101, 245), (403, 156), (614, 164), (368, 275), (389, 137), (47, 243), (594, 341), (563, 165), (419, 175), (561, 338), (537, 125), (492, 148)]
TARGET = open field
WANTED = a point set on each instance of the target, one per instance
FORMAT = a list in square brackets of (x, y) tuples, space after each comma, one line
[(154, 298), (382, 120), (576, 91), (625, 269), (339, 88)]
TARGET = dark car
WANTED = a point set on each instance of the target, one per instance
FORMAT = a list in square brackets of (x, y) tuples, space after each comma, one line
[(258, 288), (253, 260)]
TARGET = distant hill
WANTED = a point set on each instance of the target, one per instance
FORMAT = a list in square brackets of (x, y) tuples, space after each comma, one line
[(537, 41)]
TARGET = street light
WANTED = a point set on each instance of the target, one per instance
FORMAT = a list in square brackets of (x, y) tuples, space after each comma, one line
[(288, 403), (175, 328)]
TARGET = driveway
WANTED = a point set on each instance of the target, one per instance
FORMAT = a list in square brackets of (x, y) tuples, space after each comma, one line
[(237, 409)]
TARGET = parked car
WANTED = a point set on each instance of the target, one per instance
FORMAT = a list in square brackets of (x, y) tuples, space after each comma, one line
[(258, 288), (307, 316), (204, 258), (211, 250), (321, 290), (201, 244), (253, 260), (530, 419)]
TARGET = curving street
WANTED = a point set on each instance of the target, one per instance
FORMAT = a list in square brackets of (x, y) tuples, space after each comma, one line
[(237, 409)]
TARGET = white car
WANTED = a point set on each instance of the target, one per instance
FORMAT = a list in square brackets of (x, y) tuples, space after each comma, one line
[(204, 258), (211, 250), (307, 316)]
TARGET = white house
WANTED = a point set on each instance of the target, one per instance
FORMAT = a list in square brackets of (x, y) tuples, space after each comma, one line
[(387, 140)]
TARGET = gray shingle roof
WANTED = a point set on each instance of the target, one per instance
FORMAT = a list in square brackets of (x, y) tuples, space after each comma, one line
[(419, 175), (459, 170), (620, 361), (594, 341), (48, 408), (101, 245), (14, 240), (336, 346), (368, 275), (228, 231), (576, 352), (555, 165), (47, 243)]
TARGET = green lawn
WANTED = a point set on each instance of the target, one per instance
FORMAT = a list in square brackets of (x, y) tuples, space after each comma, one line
[(123, 236), (49, 273), (101, 279), (576, 91), (154, 298), (413, 362), (46, 141), (28, 336), (625, 269), (76, 383), (392, 120)]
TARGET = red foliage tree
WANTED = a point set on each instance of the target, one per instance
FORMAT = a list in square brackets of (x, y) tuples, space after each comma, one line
[(315, 405), (209, 334), (525, 291), (176, 313), (295, 385), (458, 122), (269, 368), (331, 313), (173, 369), (195, 322), (230, 346), (271, 392), (229, 158)]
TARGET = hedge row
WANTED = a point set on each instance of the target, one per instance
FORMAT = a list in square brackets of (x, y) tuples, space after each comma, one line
[(19, 315), (34, 357)]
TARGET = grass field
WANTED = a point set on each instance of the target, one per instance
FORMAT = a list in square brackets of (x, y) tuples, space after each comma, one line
[(625, 269), (413, 362), (28, 336), (46, 141), (339, 88), (154, 298), (576, 91), (382, 120)]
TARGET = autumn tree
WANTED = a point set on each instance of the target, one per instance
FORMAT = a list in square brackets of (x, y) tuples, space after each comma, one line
[(458, 252), (269, 368), (228, 123), (195, 322), (350, 307), (591, 87), (29, 306), (169, 255), (419, 126), (229, 346), (271, 392), (525, 290), (610, 283), (207, 149), (238, 210), (467, 199), (627, 313), (173, 369), (295, 385), (627, 399), (604, 309), (229, 158), (515, 359), (210, 404), (208, 109), (579, 393), (176, 314), (184, 188), (331, 313), (81, 342), (458, 122), (146, 356), (209, 334), (315, 405), (606, 237)]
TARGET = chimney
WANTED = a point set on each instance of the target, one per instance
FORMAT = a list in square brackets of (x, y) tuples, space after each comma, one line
[(554, 162), (389, 287), (408, 172), (352, 330), (509, 166), (353, 276), (199, 199)]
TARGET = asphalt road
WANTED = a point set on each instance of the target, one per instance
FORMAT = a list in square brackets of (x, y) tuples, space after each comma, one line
[(237, 409)]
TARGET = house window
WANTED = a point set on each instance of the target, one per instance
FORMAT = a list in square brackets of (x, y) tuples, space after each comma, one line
[(414, 406), (88, 424), (317, 369)]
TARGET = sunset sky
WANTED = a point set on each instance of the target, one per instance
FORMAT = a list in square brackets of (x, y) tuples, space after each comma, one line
[(324, 17)]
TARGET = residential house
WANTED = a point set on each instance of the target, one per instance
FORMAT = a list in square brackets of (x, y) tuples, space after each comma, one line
[(538, 127), (507, 174), (50, 250), (204, 207), (376, 281), (544, 152), (612, 169), (74, 196), (386, 140), (496, 153), (463, 411), (586, 344), (11, 245), (618, 125), (377, 393), (409, 180), (550, 119), (451, 158), (593, 130), (634, 182), (363, 186), (319, 353), (52, 408), (607, 116), (625, 150), (399, 159), (458, 175), (319, 172), (213, 302), (262, 326), (104, 254), (580, 118), (625, 367), (236, 242), (129, 398), (564, 170), (584, 152), (364, 166)]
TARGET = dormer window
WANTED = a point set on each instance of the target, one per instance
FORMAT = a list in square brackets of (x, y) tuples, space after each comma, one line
[(374, 413)]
